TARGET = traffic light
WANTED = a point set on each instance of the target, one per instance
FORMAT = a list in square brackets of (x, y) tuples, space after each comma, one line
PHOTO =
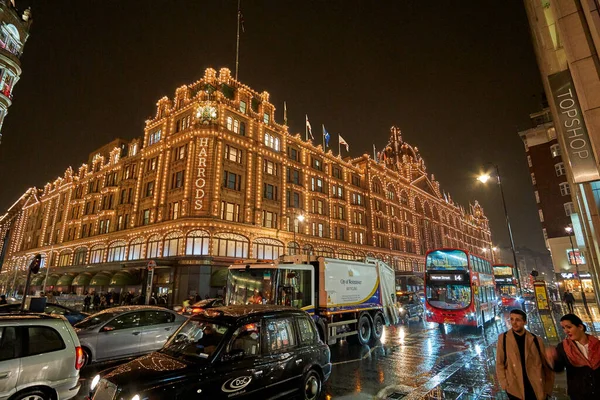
[(35, 264)]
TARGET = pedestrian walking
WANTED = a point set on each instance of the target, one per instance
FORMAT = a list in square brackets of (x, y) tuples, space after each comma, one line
[(579, 353), (3, 300), (87, 301), (521, 366), (96, 301), (570, 300)]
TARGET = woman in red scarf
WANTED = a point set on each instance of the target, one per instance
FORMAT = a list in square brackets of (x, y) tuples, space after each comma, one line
[(579, 353)]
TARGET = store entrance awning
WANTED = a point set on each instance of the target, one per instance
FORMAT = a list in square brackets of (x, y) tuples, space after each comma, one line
[(38, 280), (124, 278), (82, 279), (52, 279), (65, 280), (101, 279)]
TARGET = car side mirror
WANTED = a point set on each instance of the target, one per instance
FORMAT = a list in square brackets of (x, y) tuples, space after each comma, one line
[(234, 355), (108, 328)]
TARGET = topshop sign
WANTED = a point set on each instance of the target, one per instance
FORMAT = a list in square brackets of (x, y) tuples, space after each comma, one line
[(571, 126)]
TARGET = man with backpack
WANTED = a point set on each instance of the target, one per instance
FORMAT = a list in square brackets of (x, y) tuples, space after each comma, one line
[(521, 367)]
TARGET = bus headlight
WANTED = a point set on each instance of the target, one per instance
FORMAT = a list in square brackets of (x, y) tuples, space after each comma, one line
[(471, 315), (95, 382)]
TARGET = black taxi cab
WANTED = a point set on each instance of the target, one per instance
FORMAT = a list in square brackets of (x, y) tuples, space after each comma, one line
[(246, 351), (409, 306)]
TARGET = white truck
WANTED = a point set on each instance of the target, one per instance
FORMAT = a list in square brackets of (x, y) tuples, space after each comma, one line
[(347, 299)]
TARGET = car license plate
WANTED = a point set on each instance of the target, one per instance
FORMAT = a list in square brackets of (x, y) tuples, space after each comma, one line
[(449, 321)]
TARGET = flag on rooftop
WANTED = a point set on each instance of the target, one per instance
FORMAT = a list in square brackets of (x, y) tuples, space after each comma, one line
[(342, 141)]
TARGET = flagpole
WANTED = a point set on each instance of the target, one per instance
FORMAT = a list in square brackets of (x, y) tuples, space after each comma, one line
[(339, 147), (306, 127), (237, 47)]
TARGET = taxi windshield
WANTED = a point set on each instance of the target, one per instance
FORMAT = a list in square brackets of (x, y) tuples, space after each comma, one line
[(196, 340)]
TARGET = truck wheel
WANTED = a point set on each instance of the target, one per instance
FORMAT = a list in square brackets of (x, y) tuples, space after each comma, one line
[(364, 330), (378, 325)]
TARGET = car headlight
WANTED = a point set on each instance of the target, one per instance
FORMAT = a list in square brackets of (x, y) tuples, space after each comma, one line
[(95, 382), (136, 397)]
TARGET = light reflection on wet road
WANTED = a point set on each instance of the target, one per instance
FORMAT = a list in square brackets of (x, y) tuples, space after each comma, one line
[(410, 359)]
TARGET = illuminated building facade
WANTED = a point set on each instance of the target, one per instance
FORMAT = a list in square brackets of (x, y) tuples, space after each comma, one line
[(215, 179), (14, 30)]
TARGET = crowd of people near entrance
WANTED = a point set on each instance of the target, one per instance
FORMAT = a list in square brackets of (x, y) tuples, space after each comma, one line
[(94, 301), (525, 367)]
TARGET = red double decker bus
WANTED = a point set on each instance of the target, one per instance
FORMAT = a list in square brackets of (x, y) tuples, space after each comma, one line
[(506, 283), (459, 288)]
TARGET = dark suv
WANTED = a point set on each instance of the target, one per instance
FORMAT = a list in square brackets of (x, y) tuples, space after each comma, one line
[(409, 306), (253, 352)]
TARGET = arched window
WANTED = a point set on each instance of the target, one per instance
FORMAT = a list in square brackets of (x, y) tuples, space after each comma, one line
[(172, 244), (153, 245), (293, 248), (64, 258), (266, 248), (230, 245), (345, 254), (135, 249), (307, 249), (197, 243), (116, 251), (97, 254), (391, 194), (360, 255), (325, 252), (80, 256)]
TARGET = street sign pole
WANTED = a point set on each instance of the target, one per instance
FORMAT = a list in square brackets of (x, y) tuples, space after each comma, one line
[(151, 266)]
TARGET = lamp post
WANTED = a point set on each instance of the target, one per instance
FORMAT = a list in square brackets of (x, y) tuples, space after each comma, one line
[(569, 230), (483, 179)]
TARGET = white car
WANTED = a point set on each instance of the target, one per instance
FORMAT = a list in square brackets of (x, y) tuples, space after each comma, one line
[(40, 358)]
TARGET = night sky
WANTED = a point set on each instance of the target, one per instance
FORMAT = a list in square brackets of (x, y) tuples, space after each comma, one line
[(459, 81)]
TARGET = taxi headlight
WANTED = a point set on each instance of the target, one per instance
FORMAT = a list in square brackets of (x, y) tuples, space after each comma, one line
[(95, 382), (136, 397)]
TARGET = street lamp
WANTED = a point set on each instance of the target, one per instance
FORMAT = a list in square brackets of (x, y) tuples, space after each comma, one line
[(483, 178), (569, 230)]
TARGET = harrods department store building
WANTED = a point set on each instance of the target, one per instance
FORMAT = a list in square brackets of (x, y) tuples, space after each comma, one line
[(215, 179)]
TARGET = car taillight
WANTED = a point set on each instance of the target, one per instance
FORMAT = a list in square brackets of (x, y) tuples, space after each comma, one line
[(78, 357), (197, 310)]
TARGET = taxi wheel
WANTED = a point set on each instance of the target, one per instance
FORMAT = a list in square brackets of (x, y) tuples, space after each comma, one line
[(312, 385), (33, 395)]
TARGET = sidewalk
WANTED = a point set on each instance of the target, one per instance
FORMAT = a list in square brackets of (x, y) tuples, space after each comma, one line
[(476, 379)]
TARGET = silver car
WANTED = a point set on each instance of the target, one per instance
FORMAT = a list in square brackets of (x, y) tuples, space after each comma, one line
[(128, 331), (40, 358)]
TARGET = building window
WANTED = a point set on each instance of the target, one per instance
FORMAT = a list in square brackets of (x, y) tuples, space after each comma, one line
[(174, 210), (555, 150), (233, 154), (293, 199), (63, 259), (316, 184), (338, 212), (269, 219), (537, 196), (154, 137), (565, 189), (177, 179), (149, 189), (116, 252), (272, 142), (242, 128), (197, 243), (180, 152), (145, 217), (266, 118), (337, 191), (560, 169), (269, 249), (529, 161), (533, 178), (356, 180), (541, 215), (230, 211), (359, 237), (232, 181), (230, 245), (336, 172), (135, 249), (270, 191), (294, 154), (229, 123), (153, 245), (357, 199), (242, 106), (80, 256), (96, 255), (151, 164), (317, 206), (293, 176), (270, 168), (172, 244), (357, 218), (317, 164), (569, 208), (317, 229)]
